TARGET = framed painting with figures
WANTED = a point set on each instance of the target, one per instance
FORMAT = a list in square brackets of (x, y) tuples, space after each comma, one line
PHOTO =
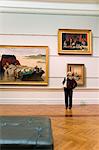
[(23, 65), (74, 41), (78, 72)]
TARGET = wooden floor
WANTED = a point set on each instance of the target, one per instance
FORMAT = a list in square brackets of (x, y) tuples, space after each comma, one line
[(72, 130)]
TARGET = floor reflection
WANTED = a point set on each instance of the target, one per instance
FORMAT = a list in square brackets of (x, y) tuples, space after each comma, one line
[(68, 113)]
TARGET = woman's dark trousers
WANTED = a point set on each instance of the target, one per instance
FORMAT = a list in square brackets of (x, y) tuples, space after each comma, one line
[(68, 97)]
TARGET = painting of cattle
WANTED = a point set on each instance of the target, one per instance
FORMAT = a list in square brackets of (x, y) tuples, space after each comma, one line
[(24, 65)]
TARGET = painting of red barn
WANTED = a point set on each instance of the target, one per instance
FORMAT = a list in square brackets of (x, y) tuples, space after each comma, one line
[(23, 65)]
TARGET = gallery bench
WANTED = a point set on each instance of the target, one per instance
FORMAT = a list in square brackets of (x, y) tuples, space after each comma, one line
[(25, 133)]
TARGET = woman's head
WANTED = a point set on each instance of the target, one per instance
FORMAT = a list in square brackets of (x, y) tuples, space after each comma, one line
[(69, 75)]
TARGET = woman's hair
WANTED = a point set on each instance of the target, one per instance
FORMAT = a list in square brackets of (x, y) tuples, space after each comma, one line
[(69, 73)]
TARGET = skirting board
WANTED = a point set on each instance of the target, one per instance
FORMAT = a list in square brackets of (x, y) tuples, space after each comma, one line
[(82, 101)]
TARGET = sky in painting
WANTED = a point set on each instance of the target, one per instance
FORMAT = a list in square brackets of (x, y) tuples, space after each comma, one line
[(22, 51)]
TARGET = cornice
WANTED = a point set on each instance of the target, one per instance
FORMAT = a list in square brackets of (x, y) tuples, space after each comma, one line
[(48, 8)]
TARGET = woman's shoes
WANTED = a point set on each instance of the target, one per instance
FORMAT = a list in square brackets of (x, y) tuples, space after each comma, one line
[(69, 108)]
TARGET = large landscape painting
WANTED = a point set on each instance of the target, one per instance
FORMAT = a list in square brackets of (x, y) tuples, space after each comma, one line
[(24, 65)]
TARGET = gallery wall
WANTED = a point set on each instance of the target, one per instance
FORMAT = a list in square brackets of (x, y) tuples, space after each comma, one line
[(42, 30)]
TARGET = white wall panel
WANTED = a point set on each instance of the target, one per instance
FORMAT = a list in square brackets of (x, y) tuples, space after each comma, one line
[(89, 82), (48, 97), (98, 26), (45, 24), (58, 65), (31, 95), (95, 43)]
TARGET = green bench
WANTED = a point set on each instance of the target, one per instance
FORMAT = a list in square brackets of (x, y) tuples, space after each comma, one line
[(25, 133)]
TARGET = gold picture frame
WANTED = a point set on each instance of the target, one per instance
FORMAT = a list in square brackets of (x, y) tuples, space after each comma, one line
[(78, 72), (23, 65), (74, 41)]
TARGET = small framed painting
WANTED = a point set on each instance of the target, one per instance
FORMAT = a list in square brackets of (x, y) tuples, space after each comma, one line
[(74, 41), (78, 72)]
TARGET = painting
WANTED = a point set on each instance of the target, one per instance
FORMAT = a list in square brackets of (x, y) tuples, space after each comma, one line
[(78, 72), (23, 65), (74, 41)]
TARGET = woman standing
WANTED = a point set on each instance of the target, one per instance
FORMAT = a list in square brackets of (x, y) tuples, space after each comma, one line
[(70, 84)]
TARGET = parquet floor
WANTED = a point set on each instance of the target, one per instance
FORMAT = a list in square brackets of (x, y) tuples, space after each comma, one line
[(72, 130)]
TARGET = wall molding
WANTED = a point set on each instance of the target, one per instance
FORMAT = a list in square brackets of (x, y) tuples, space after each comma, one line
[(28, 34), (52, 101), (49, 8), (44, 89)]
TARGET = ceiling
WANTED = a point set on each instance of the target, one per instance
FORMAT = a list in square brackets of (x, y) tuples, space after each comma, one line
[(62, 1)]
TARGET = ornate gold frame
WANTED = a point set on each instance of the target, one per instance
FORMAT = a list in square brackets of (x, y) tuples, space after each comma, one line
[(74, 41)]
